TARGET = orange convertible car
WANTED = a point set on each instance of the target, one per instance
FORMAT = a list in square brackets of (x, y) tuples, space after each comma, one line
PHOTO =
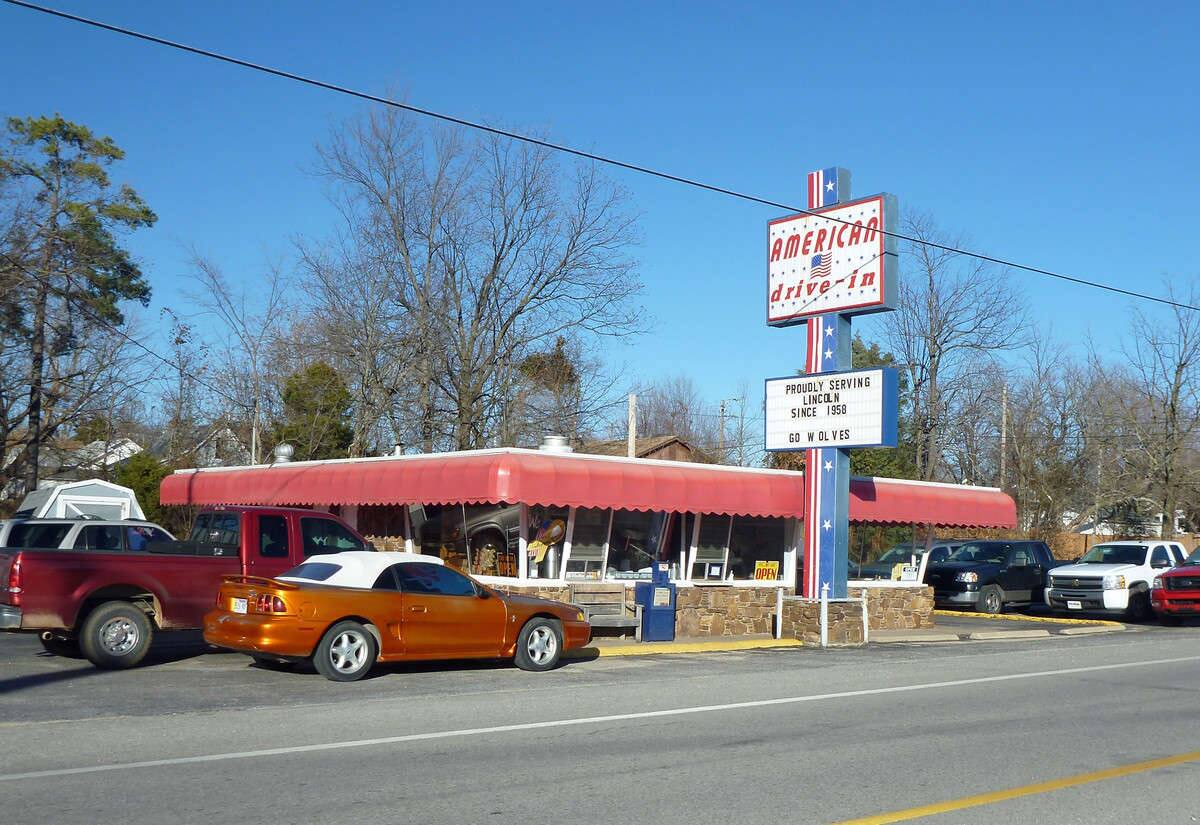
[(346, 611)]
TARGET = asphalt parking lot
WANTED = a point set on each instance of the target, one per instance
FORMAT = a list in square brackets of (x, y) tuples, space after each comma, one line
[(756, 736)]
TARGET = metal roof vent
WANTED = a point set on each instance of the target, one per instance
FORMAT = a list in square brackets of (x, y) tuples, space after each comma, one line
[(555, 444), (283, 453)]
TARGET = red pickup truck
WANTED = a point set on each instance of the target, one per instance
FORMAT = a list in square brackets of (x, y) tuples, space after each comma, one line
[(107, 605), (1176, 592)]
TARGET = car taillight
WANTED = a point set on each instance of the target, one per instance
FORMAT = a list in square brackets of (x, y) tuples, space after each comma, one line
[(14, 579), (269, 604)]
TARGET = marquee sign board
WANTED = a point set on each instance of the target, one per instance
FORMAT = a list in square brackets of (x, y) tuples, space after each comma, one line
[(857, 408), (834, 260)]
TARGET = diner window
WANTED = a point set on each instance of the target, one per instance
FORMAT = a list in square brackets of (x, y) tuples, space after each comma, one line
[(272, 536), (711, 548), (493, 531), (678, 542), (633, 544), (546, 539), (756, 548), (322, 535), (440, 530), (587, 543)]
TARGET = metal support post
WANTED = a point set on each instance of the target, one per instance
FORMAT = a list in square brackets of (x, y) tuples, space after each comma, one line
[(825, 614)]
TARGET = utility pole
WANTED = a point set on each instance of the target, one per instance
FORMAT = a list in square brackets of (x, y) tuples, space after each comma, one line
[(721, 438), (1003, 432), (631, 429)]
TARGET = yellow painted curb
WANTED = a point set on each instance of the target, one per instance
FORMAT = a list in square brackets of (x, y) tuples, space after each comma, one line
[(653, 648), (1016, 618)]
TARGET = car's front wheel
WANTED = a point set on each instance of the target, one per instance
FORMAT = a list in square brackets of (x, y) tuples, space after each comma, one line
[(346, 653), (1139, 606), (991, 600), (539, 647)]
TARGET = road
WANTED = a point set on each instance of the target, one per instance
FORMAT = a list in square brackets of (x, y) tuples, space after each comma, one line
[(794, 736)]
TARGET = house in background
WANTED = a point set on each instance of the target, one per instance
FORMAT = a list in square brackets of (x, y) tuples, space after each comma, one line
[(662, 447), (216, 446)]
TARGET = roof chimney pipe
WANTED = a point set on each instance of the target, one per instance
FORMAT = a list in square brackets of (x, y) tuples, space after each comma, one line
[(555, 444)]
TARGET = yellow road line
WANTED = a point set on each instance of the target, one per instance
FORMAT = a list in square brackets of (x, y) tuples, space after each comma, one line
[(652, 648), (1024, 790), (1021, 618)]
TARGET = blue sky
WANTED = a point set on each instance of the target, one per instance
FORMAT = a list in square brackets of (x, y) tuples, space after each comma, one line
[(1061, 135)]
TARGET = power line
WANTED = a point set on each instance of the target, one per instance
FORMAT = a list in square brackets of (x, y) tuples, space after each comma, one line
[(558, 147)]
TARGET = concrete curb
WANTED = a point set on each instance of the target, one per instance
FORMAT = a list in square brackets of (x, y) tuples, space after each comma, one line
[(991, 635), (1083, 631), (661, 648), (913, 637), (1013, 617)]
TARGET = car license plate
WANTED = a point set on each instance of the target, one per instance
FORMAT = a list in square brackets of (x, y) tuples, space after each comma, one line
[(239, 605), (1070, 606)]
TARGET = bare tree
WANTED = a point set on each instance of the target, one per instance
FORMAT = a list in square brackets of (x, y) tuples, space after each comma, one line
[(249, 321), (1163, 413), (485, 253), (953, 313)]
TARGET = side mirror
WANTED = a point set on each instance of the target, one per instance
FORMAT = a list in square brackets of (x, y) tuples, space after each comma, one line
[(483, 592)]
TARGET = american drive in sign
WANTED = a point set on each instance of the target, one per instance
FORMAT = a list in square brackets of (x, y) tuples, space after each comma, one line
[(839, 259), (832, 409)]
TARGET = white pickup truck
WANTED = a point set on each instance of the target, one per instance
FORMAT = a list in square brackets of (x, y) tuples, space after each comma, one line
[(1115, 577)]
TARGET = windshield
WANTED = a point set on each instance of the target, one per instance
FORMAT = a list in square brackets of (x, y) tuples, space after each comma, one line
[(1114, 554), (896, 554), (990, 553), (1194, 558)]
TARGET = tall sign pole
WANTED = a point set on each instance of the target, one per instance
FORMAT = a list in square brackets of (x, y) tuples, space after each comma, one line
[(824, 267)]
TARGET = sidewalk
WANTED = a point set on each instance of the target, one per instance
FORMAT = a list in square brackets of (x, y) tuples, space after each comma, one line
[(607, 646), (954, 626)]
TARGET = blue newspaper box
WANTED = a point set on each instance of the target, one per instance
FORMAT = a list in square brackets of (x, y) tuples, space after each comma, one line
[(657, 600)]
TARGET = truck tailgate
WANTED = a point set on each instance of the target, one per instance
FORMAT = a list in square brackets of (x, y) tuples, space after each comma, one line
[(6, 562)]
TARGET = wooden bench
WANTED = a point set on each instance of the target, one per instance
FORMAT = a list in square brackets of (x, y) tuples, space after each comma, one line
[(604, 606)]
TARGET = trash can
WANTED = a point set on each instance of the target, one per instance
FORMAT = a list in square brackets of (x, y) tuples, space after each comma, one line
[(657, 600)]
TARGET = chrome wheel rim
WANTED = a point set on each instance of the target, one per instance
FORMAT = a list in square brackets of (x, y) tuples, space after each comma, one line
[(991, 603), (119, 636), (348, 653), (542, 645)]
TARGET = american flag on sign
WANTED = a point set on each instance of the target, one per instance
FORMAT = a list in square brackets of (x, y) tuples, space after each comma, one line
[(820, 265), (823, 187)]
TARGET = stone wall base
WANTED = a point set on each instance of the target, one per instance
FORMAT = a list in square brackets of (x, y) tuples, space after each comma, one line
[(802, 620), (897, 608)]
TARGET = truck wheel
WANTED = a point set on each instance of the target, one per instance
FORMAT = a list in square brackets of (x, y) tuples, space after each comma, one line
[(1167, 620), (1139, 606), (61, 646), (346, 652), (116, 635), (539, 647), (991, 600)]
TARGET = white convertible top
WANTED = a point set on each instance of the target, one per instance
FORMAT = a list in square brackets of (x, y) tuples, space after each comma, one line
[(358, 568)]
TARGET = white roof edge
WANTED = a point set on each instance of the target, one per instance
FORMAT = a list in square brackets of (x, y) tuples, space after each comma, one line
[(495, 451)]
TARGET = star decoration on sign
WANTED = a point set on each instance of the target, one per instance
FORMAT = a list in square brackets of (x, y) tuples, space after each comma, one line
[(827, 525), (828, 466), (829, 186), (828, 332), (828, 354)]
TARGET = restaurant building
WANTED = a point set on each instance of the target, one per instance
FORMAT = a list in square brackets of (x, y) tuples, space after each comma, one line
[(561, 524)]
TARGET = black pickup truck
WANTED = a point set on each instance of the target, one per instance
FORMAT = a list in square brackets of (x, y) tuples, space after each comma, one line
[(989, 575)]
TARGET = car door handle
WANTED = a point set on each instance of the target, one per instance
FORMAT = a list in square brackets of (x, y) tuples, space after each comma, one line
[(419, 609)]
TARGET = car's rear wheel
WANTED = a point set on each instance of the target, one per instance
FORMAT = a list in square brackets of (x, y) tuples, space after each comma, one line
[(539, 647), (346, 653), (991, 600), (116, 635)]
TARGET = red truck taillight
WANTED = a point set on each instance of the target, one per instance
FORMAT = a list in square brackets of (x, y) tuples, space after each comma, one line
[(269, 604), (14, 581)]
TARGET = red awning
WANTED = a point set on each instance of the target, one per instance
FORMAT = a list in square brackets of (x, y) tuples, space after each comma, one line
[(556, 479)]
